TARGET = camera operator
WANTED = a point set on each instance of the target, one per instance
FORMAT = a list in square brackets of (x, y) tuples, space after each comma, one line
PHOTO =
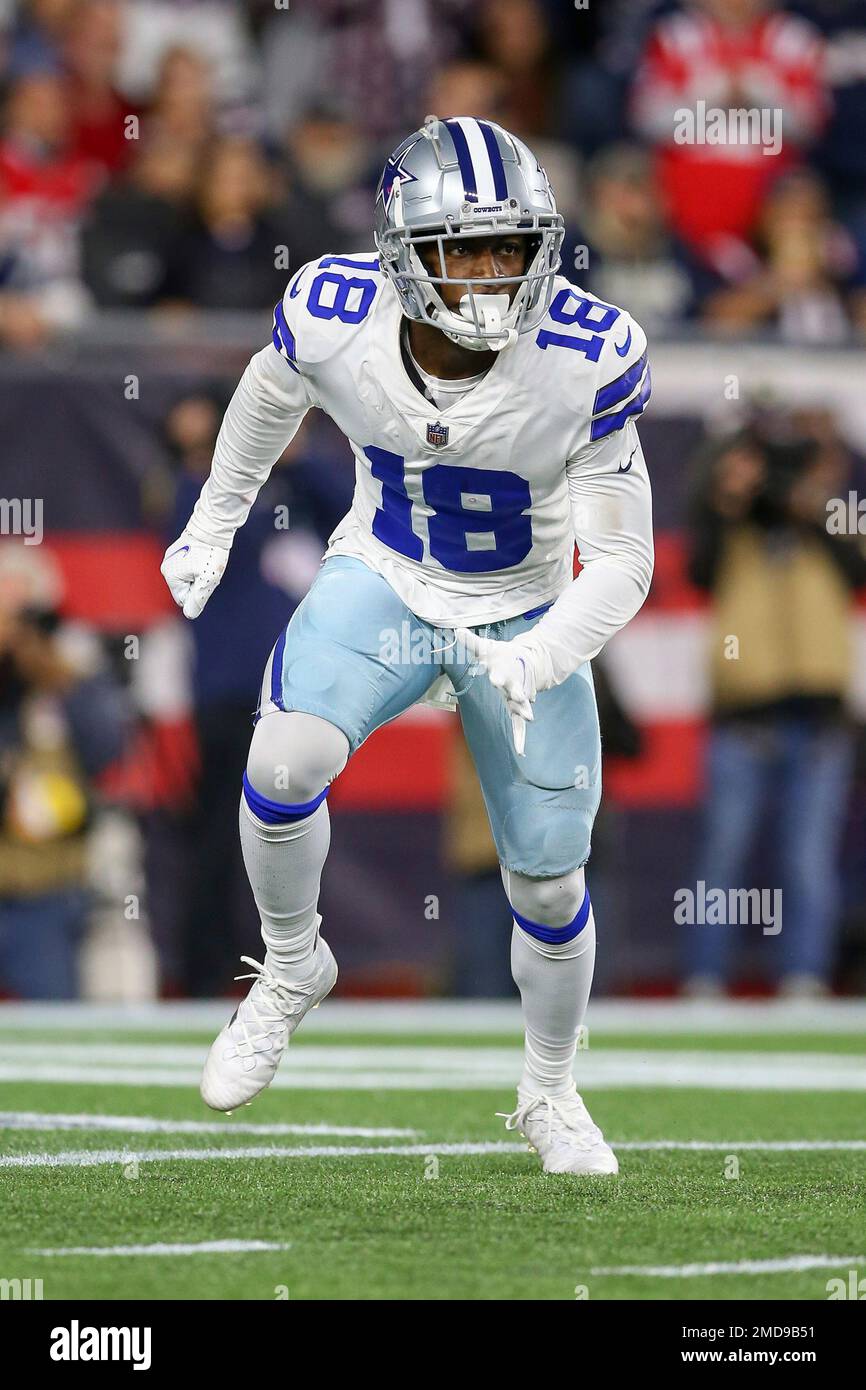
[(780, 744), (62, 720)]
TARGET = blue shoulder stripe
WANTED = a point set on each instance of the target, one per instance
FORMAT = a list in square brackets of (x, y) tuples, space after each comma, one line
[(619, 390), (604, 425), (284, 338)]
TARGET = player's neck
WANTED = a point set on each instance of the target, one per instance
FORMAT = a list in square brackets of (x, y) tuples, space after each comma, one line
[(440, 357)]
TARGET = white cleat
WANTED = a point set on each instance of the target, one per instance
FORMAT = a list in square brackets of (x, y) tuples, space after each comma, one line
[(561, 1131), (247, 1051)]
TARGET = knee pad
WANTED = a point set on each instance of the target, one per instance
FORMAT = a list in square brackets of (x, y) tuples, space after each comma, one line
[(293, 759), (550, 909)]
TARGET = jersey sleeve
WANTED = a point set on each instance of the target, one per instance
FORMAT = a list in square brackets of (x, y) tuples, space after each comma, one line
[(263, 416), (324, 301), (623, 383), (286, 313)]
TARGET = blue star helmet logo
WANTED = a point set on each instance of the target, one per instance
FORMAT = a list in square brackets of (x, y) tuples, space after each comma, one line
[(395, 172)]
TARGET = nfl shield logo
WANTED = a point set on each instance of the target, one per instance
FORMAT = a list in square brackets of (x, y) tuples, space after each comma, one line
[(437, 434)]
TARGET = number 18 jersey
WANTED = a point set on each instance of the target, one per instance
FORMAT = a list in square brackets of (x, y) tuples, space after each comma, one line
[(465, 511)]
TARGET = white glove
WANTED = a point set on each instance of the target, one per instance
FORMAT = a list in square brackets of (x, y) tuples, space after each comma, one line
[(512, 668), (192, 569)]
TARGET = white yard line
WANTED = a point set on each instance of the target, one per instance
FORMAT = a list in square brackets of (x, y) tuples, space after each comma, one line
[(736, 1146), (48, 1122), (475, 1017), (315, 1067), (89, 1158), (94, 1158), (142, 1124), (790, 1264), (204, 1247)]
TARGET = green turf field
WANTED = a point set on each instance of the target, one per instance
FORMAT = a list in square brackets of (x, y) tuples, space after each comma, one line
[(377, 1169)]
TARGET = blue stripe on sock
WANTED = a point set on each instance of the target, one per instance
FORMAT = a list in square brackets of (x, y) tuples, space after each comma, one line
[(551, 935), (277, 671), (279, 812)]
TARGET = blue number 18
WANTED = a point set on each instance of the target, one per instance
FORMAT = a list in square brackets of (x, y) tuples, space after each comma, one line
[(465, 502)]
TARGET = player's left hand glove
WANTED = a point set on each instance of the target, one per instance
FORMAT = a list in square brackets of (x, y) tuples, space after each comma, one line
[(513, 667)]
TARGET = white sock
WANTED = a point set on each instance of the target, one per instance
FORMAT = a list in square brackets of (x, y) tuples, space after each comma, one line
[(284, 865), (554, 982)]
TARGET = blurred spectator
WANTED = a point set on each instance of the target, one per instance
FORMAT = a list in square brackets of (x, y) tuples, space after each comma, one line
[(467, 88), (62, 720), (90, 50), (514, 38), (37, 35), (712, 60), (631, 256), (597, 49), (132, 237), (274, 560), (780, 748), (183, 106), (214, 29), (228, 260), (841, 152), (797, 277), (331, 184), (371, 59), (479, 89), (44, 188)]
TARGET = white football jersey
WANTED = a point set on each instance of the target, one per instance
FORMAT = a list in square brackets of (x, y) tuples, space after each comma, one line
[(468, 512)]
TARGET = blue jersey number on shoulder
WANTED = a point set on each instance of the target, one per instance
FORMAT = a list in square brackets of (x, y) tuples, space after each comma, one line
[(570, 308), (499, 519), (351, 297)]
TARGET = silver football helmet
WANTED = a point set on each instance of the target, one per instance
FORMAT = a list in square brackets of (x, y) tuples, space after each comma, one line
[(462, 177)]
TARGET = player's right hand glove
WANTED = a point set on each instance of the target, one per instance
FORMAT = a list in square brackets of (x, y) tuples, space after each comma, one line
[(511, 668), (192, 569)]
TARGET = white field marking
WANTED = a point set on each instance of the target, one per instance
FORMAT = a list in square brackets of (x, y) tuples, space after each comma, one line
[(734, 1146), (94, 1158), (439, 1068), (790, 1264), (88, 1158), (141, 1124), (204, 1247), (475, 1017)]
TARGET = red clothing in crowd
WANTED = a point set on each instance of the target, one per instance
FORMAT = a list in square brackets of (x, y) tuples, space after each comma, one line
[(774, 63), (62, 184), (99, 128)]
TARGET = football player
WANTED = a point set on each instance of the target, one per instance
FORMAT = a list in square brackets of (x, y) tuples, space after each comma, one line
[(491, 406)]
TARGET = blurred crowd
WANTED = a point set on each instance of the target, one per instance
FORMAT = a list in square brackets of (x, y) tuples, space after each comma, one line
[(171, 157), (174, 155)]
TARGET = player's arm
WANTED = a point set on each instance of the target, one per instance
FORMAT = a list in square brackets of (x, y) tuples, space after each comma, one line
[(262, 418), (611, 509)]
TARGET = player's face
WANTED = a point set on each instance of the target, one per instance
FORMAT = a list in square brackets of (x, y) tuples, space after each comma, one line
[(483, 260)]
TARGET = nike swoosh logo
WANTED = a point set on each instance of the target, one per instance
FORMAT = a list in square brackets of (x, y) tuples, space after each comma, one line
[(295, 289), (182, 550), (628, 465), (624, 349)]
